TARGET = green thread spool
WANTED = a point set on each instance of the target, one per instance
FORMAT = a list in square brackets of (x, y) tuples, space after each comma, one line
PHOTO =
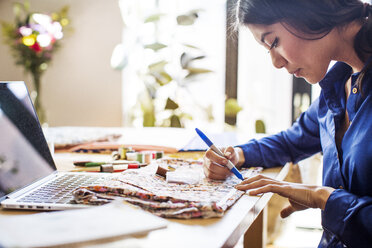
[(140, 157)]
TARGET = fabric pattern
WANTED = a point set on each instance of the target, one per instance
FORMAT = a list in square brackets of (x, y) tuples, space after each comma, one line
[(207, 198)]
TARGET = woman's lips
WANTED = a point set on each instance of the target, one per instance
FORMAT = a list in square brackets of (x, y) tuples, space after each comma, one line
[(297, 73)]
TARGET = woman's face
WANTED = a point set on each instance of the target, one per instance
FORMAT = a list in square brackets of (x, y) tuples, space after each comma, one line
[(308, 59)]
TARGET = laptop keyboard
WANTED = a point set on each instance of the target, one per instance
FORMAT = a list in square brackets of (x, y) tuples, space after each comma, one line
[(59, 190)]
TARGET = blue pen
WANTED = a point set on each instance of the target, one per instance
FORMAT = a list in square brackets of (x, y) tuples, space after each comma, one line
[(230, 165)]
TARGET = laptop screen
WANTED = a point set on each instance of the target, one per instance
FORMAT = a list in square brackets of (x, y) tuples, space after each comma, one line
[(24, 152)]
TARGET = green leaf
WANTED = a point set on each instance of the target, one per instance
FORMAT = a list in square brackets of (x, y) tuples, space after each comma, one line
[(8, 31), (157, 71), (28, 18), (186, 20), (185, 116), (198, 57), (232, 107), (26, 5), (161, 77), (186, 59), (155, 46), (196, 71), (158, 66), (151, 89), (148, 110), (64, 11), (175, 121), (170, 104), (260, 126), (148, 119), (191, 46), (154, 18), (17, 9)]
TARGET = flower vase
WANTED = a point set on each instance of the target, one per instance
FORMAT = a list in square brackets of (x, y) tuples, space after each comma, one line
[(36, 96)]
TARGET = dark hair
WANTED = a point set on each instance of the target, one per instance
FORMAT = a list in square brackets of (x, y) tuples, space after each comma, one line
[(313, 19)]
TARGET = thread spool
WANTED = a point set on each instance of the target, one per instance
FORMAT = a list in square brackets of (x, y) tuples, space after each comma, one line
[(123, 152), (147, 157), (159, 154), (140, 157), (131, 156), (115, 155), (161, 171), (107, 168)]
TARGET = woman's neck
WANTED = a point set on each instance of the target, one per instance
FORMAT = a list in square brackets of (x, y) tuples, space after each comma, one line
[(345, 50)]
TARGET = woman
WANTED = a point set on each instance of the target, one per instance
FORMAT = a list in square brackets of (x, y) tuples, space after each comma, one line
[(303, 37)]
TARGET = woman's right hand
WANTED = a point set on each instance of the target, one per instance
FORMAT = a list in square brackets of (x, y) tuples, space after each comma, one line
[(215, 165)]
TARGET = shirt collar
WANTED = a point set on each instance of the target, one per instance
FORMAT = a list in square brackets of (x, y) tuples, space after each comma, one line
[(335, 75), (338, 72), (333, 85)]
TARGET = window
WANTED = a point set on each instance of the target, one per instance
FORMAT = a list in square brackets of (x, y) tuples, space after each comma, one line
[(195, 97)]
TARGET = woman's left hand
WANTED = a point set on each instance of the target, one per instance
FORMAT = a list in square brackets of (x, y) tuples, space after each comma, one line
[(300, 196)]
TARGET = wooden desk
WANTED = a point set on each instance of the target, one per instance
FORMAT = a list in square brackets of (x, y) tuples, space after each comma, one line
[(246, 217)]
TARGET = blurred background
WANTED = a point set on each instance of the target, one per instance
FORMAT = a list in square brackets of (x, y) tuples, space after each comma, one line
[(167, 63)]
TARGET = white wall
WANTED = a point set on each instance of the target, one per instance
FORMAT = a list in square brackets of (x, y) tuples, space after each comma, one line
[(79, 87)]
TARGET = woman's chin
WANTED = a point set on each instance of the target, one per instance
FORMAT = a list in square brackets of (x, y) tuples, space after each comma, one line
[(311, 80)]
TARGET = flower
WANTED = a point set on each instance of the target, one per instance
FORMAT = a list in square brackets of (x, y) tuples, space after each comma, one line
[(34, 37)]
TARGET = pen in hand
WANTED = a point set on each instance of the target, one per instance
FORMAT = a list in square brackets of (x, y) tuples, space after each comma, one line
[(229, 164)]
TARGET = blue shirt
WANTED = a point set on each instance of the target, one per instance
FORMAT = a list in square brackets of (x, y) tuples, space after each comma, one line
[(347, 217)]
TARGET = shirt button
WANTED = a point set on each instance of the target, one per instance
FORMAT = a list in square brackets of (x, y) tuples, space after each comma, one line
[(340, 187), (355, 90)]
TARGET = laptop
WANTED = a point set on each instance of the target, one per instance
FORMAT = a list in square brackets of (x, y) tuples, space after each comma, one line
[(28, 175)]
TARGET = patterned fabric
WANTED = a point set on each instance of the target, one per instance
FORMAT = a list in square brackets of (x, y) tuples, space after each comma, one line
[(207, 198)]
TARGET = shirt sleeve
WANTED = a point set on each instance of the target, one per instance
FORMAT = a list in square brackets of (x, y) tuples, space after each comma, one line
[(292, 145), (349, 217)]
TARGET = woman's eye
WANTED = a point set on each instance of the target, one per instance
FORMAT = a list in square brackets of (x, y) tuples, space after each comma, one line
[(274, 44)]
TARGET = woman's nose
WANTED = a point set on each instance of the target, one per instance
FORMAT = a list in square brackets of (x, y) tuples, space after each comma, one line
[(277, 60)]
